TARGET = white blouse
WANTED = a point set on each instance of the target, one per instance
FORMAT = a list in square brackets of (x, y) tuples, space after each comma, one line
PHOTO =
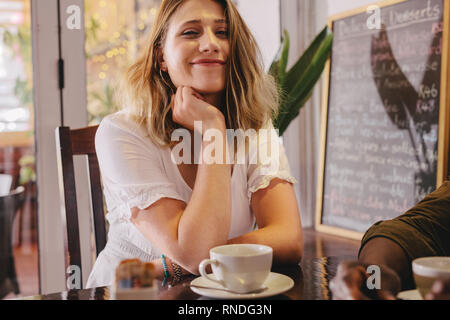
[(136, 173)]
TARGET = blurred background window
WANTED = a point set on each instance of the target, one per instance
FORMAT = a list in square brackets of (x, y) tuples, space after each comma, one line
[(16, 81), (115, 32), (17, 151)]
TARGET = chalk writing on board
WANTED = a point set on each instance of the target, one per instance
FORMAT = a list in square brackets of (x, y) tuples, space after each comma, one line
[(383, 114)]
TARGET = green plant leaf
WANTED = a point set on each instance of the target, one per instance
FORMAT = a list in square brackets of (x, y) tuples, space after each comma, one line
[(27, 173), (278, 66), (300, 66), (300, 74), (27, 160), (304, 85), (8, 38), (313, 70), (284, 57), (273, 70), (294, 112)]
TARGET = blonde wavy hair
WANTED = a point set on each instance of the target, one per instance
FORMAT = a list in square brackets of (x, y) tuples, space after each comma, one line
[(251, 95)]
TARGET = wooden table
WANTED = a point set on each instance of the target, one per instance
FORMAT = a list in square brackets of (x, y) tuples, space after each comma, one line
[(311, 280)]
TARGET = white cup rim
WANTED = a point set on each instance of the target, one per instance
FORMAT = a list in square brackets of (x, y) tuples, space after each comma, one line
[(262, 250), (424, 267)]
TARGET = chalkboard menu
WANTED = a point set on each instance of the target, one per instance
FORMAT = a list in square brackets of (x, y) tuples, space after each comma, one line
[(385, 122)]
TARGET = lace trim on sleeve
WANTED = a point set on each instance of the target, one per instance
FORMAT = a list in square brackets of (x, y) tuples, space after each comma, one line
[(264, 182), (141, 198)]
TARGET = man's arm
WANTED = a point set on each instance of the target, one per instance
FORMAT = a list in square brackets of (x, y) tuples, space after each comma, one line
[(350, 282), (392, 260), (396, 274), (422, 231)]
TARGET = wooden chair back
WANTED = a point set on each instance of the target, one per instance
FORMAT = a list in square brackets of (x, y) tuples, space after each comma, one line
[(73, 142)]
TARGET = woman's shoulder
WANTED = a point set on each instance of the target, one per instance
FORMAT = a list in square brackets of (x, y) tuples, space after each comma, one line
[(121, 125), (120, 120)]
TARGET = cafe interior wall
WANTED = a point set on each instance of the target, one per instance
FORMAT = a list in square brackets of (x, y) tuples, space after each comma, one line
[(339, 6), (263, 19)]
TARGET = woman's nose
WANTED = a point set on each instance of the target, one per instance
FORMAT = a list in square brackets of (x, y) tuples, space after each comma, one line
[(209, 42)]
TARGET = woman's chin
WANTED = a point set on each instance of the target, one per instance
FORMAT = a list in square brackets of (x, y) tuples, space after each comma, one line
[(207, 90)]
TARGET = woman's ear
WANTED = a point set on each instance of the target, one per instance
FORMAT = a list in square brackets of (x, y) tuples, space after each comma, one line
[(160, 58)]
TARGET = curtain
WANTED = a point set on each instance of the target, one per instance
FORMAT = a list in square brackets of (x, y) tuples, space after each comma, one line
[(304, 19)]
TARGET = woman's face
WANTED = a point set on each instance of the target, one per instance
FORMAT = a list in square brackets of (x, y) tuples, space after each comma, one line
[(196, 48)]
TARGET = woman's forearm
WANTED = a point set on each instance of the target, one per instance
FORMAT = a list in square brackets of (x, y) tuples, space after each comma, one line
[(287, 246), (205, 222)]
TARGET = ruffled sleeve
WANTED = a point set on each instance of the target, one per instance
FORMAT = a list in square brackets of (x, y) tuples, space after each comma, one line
[(267, 162), (131, 167)]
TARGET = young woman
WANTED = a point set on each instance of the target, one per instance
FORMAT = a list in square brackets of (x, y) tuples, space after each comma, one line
[(202, 64)]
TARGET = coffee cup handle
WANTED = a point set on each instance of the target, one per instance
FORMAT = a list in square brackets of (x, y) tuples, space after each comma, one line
[(202, 270)]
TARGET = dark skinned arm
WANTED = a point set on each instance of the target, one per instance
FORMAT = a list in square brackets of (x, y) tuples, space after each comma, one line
[(396, 274), (350, 282), (394, 263), (394, 260)]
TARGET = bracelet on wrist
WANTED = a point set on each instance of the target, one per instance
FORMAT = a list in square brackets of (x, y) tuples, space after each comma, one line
[(166, 270), (177, 274)]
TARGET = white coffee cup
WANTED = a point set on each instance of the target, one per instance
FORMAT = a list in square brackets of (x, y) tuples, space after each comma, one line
[(427, 270), (239, 267)]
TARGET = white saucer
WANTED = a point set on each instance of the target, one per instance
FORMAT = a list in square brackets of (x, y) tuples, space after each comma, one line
[(276, 283), (410, 295)]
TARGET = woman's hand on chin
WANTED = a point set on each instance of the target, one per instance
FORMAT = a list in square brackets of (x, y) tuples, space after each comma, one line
[(189, 106)]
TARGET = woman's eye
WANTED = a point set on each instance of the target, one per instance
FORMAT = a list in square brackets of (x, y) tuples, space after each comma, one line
[(223, 32), (192, 33), (189, 33)]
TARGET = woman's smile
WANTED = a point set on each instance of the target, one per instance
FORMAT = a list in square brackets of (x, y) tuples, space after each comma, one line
[(209, 63)]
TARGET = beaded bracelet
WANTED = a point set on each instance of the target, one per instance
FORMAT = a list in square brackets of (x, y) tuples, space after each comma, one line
[(166, 270)]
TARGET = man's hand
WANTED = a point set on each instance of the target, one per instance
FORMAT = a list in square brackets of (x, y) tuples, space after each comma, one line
[(350, 283), (439, 291)]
